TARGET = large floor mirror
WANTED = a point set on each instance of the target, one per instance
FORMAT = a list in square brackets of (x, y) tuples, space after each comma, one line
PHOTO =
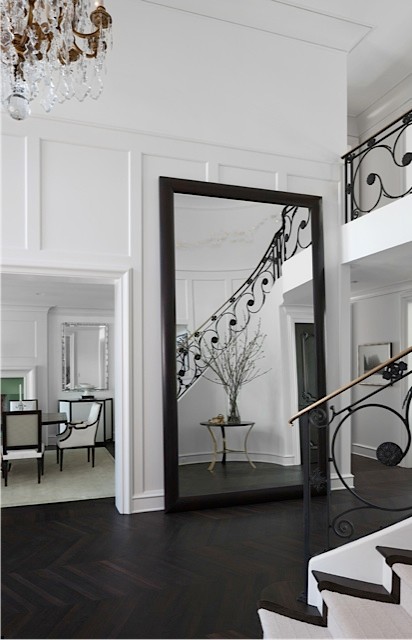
[(224, 249)]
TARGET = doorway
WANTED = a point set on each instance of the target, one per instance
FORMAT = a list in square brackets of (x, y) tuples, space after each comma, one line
[(121, 296)]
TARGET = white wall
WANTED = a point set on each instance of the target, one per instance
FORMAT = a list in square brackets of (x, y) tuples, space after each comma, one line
[(377, 318), (188, 97), (31, 338), (24, 346)]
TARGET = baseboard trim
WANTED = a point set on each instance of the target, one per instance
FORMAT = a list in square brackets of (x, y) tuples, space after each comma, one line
[(148, 501), (336, 483), (199, 458), (364, 450)]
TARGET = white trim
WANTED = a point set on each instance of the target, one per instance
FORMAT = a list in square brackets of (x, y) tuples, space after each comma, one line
[(29, 378), (148, 501), (363, 450), (162, 135), (336, 483), (400, 287), (121, 278), (239, 456), (123, 396)]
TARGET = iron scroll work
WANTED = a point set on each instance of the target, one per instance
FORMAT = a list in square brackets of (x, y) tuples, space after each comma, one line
[(369, 169), (234, 315), (182, 360), (387, 453)]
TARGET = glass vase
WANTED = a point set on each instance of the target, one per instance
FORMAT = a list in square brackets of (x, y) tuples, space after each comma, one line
[(233, 410)]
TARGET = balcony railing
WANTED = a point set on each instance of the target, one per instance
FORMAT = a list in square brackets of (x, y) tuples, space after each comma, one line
[(376, 171)]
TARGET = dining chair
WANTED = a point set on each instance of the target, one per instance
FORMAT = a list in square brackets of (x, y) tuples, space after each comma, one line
[(21, 440), (80, 435), (24, 405)]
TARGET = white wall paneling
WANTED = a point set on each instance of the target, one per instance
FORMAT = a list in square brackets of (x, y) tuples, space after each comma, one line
[(19, 338), (82, 210), (148, 158), (86, 204), (13, 198), (248, 177), (24, 345)]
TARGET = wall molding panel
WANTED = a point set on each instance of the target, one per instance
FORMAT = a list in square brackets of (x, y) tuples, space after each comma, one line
[(89, 223)]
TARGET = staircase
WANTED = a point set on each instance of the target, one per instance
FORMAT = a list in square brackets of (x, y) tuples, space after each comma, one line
[(351, 608)]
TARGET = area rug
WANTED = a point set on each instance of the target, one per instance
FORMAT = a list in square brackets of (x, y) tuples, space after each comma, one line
[(78, 480)]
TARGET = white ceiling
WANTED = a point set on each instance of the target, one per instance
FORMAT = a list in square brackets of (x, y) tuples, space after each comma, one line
[(375, 35)]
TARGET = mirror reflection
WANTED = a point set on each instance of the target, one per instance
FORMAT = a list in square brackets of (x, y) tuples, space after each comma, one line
[(85, 356), (219, 243), (229, 338)]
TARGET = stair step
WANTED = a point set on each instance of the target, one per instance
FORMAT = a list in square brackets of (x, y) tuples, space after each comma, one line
[(285, 604), (394, 555), (352, 617), (351, 587), (276, 625)]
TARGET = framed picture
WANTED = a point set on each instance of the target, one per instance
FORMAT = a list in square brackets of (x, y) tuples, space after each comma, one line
[(369, 357)]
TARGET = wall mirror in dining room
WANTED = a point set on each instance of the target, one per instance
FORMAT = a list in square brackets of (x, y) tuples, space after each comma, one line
[(226, 251), (85, 356)]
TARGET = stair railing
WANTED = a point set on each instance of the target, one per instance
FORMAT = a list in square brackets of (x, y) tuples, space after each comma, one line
[(387, 144), (193, 351), (317, 473)]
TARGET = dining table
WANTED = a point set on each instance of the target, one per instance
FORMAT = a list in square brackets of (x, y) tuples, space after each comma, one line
[(53, 418), (48, 419)]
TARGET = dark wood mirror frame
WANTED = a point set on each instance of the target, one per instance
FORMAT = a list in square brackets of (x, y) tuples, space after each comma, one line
[(168, 187)]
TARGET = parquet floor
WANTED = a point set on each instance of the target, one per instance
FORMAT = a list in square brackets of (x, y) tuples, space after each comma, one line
[(81, 570)]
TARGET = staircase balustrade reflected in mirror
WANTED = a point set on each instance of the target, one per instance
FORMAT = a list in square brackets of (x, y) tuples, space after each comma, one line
[(233, 317)]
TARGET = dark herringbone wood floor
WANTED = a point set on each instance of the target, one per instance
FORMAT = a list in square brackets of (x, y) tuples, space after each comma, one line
[(81, 570)]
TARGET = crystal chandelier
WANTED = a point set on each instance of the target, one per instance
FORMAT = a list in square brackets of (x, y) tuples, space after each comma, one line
[(51, 49)]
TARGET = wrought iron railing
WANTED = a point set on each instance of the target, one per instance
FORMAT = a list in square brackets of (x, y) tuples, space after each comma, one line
[(193, 351), (371, 166), (334, 522)]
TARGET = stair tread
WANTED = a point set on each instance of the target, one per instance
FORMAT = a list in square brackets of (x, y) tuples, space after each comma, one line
[(272, 600), (394, 555), (350, 586), (276, 625), (361, 618)]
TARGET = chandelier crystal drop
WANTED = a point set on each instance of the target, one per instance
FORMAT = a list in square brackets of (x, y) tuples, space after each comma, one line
[(52, 50)]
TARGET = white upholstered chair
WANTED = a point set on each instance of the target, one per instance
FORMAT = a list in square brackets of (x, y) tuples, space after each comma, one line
[(21, 440), (24, 405), (80, 435)]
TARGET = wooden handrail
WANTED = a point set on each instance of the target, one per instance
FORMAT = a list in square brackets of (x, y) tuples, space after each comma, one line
[(349, 385)]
